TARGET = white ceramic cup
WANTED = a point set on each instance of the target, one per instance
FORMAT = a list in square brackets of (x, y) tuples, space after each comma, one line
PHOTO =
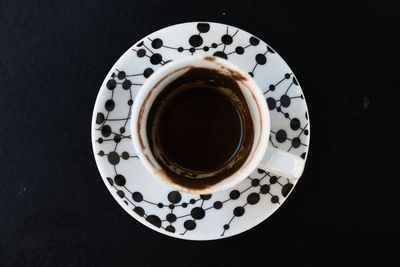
[(261, 156)]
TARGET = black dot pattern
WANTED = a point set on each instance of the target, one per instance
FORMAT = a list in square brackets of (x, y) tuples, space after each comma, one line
[(275, 199), (239, 50), (117, 138), (271, 103), (253, 198), (154, 220), (139, 211), (286, 189), (235, 194), (217, 205), (255, 182), (136, 196), (296, 142), (203, 27), (170, 228), (295, 124), (220, 54), (254, 41), (109, 105), (126, 84), (121, 75), (281, 136), (111, 84), (156, 59), (261, 59), (285, 101), (141, 53), (175, 212), (119, 180), (174, 197), (125, 155), (99, 118), (238, 211), (226, 39), (121, 193), (113, 158), (264, 189), (147, 72), (189, 225), (195, 40), (157, 43), (171, 217), (198, 213), (206, 197)]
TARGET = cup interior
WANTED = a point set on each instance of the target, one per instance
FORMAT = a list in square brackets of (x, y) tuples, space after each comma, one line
[(170, 72)]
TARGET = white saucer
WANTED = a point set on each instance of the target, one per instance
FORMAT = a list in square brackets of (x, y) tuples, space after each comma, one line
[(182, 215)]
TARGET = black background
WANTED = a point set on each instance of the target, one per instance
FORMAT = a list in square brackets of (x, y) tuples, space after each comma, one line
[(54, 208)]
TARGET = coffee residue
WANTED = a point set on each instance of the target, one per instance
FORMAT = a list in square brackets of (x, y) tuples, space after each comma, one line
[(209, 58), (199, 152)]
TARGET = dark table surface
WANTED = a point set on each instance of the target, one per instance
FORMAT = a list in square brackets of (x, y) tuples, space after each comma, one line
[(54, 208)]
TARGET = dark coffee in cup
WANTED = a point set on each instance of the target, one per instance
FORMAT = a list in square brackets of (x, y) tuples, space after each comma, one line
[(200, 128)]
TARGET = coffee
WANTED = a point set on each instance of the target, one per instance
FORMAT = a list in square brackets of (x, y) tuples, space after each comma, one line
[(199, 127)]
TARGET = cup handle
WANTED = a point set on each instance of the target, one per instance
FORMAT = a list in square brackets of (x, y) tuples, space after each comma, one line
[(282, 163)]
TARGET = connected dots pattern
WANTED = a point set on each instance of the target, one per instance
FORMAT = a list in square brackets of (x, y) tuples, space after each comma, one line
[(176, 213)]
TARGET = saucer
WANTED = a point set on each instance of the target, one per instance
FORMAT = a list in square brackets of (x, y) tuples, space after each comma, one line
[(179, 214)]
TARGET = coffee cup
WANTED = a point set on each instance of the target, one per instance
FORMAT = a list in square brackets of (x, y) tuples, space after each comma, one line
[(201, 125)]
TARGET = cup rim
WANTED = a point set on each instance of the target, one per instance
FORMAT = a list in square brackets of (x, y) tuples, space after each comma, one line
[(153, 82)]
